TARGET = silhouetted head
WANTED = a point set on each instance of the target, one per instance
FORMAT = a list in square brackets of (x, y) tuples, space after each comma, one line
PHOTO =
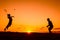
[(8, 14), (48, 19)]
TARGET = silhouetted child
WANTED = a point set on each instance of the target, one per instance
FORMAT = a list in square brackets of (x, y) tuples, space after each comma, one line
[(50, 25), (10, 21)]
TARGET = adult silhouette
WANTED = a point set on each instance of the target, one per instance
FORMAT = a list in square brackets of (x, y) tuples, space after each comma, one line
[(50, 25), (10, 21)]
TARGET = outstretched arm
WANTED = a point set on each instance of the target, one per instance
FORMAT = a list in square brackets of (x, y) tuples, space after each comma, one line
[(47, 25), (12, 16)]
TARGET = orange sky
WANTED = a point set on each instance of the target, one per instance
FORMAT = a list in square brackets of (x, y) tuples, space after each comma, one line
[(29, 15)]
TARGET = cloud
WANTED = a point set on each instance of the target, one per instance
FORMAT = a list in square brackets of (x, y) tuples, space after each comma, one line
[(57, 28)]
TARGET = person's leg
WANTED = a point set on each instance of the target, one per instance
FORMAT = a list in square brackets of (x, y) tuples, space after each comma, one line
[(6, 27), (50, 30)]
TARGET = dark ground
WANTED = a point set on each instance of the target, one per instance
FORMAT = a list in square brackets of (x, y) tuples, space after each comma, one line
[(25, 36)]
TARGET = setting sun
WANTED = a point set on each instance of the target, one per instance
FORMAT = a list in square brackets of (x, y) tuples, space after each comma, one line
[(29, 32), (29, 16)]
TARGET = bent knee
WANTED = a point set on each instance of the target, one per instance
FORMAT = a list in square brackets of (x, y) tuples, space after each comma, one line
[(50, 28)]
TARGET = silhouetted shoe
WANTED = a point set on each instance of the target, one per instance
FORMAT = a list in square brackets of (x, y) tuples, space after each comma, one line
[(5, 30)]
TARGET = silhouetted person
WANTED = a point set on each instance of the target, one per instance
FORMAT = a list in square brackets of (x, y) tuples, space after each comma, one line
[(10, 21), (50, 25)]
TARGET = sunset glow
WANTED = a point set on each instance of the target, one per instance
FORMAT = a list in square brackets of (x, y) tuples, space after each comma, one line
[(29, 32), (30, 16)]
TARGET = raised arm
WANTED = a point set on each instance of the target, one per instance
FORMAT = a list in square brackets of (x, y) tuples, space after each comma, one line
[(12, 16), (47, 25)]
